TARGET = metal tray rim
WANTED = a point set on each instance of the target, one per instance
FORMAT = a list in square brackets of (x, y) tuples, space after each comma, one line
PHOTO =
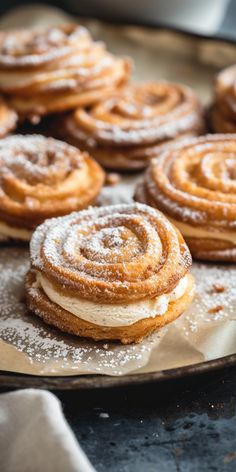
[(86, 382)]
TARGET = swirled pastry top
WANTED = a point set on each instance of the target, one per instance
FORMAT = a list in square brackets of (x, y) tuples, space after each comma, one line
[(55, 60), (195, 182), (138, 115), (115, 254), (28, 48), (43, 177)]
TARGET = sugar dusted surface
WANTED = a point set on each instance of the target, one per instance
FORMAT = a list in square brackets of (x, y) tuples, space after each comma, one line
[(48, 351), (51, 353), (208, 300)]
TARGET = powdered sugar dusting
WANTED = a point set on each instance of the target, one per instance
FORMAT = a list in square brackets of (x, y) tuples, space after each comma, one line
[(212, 305), (49, 351), (32, 48), (82, 249), (142, 114), (35, 159)]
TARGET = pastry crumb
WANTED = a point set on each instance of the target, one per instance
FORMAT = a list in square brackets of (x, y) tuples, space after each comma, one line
[(217, 288), (215, 309), (112, 178)]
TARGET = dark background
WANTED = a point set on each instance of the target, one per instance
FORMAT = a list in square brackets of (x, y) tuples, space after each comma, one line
[(180, 426), (80, 7), (184, 426)]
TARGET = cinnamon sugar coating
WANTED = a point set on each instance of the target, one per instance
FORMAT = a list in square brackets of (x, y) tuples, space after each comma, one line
[(42, 177), (56, 69), (194, 183), (114, 254), (124, 131)]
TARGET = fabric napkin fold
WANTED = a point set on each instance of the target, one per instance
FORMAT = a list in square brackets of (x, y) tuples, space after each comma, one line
[(35, 436)]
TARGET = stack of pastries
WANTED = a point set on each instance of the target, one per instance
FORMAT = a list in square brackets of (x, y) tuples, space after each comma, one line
[(194, 184), (57, 69), (123, 271), (117, 272), (41, 178)]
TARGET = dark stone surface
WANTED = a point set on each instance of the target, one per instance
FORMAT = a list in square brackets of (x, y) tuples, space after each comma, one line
[(185, 426)]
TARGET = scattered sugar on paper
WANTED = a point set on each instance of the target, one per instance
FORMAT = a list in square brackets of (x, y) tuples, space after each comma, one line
[(47, 347)]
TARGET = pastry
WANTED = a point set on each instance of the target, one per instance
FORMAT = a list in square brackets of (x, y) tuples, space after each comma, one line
[(41, 178), (56, 69), (8, 119), (125, 130), (223, 111), (194, 184), (113, 273)]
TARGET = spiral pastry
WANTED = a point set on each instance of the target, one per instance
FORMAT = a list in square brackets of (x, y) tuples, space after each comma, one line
[(124, 131), (194, 184), (41, 178), (117, 272), (8, 119), (56, 69), (223, 110)]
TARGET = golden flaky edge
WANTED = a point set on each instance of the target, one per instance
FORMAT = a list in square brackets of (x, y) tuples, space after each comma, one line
[(203, 249), (52, 314)]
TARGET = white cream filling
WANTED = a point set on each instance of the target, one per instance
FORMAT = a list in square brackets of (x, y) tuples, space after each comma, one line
[(112, 315), (7, 232), (195, 232)]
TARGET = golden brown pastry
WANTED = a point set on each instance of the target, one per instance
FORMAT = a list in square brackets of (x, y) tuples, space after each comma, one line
[(41, 178), (194, 184), (115, 273), (56, 69), (8, 119), (223, 111), (124, 131)]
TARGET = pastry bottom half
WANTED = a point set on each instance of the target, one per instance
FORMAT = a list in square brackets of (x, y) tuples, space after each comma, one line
[(52, 314), (33, 108), (203, 246), (211, 249)]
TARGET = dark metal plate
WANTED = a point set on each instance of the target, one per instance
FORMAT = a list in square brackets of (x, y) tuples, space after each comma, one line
[(83, 382)]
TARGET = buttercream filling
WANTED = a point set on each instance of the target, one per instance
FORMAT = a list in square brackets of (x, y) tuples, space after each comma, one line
[(109, 314), (200, 233), (9, 232)]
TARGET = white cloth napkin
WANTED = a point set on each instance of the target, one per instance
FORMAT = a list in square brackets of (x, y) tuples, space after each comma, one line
[(35, 437)]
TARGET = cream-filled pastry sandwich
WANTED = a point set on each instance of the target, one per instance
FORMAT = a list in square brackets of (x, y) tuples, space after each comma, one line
[(112, 273), (194, 184), (56, 69), (41, 178), (124, 130)]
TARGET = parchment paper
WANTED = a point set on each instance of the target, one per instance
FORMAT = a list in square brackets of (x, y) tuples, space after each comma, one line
[(208, 329)]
